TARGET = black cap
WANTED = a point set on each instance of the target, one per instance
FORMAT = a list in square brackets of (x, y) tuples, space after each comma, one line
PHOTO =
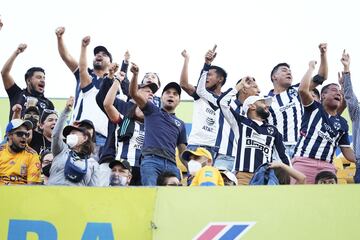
[(172, 85), (153, 86), (102, 49), (69, 128), (84, 122), (123, 163)]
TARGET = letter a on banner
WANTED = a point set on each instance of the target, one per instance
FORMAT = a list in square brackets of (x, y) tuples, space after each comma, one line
[(98, 231)]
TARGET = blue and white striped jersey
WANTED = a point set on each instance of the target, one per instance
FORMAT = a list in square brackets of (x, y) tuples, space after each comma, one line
[(130, 149), (321, 133), (226, 138), (257, 142), (285, 114)]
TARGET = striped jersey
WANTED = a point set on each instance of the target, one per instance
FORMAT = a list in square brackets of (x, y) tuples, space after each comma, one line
[(130, 149), (226, 138), (258, 143), (321, 133), (205, 121), (285, 114)]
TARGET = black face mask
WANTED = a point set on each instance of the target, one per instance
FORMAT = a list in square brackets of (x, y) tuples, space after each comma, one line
[(262, 113), (46, 170), (16, 148)]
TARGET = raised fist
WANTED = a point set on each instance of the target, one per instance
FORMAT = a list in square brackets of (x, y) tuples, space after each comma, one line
[(86, 41), (21, 48), (59, 31), (134, 68)]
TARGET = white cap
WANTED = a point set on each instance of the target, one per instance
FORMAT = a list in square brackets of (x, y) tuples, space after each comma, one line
[(230, 176), (253, 99)]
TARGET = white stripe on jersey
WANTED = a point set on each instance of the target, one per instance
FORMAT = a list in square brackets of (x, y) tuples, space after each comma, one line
[(286, 111)]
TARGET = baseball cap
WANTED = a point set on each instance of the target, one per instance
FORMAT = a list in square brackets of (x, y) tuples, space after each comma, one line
[(253, 99), (69, 128), (172, 85), (153, 86), (102, 49), (15, 123), (84, 122), (198, 152), (229, 175), (122, 162)]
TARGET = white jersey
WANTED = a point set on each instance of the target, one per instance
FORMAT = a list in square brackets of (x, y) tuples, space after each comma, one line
[(87, 108)]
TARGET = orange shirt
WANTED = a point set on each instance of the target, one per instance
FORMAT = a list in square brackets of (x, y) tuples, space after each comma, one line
[(19, 168)]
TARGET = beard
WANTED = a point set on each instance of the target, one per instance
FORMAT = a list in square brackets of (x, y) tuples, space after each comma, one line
[(15, 148), (97, 65), (262, 113)]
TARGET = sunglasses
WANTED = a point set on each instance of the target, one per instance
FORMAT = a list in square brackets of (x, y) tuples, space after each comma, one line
[(47, 112), (22, 134)]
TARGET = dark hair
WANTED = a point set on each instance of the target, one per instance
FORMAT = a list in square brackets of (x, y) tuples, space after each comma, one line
[(44, 153), (157, 75), (162, 178), (277, 67), (325, 175), (316, 92), (30, 72), (45, 113), (282, 176), (324, 88), (87, 147), (220, 72)]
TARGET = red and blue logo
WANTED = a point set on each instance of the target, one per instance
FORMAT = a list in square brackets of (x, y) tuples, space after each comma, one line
[(224, 230)]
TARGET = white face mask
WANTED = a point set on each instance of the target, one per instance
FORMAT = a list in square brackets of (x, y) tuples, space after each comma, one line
[(194, 166), (72, 140), (117, 180)]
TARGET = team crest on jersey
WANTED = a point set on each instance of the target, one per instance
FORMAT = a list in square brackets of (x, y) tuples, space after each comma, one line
[(177, 122), (270, 130), (42, 105), (337, 125), (292, 92)]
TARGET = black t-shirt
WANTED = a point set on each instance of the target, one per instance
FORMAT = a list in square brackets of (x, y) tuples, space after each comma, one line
[(39, 142), (18, 96)]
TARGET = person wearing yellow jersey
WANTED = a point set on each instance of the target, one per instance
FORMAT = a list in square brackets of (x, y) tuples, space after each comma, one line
[(200, 168), (19, 164)]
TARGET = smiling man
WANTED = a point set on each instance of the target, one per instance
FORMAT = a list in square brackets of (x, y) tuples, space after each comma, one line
[(35, 85), (18, 164)]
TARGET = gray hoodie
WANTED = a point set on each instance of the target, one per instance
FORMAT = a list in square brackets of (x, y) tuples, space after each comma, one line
[(61, 151)]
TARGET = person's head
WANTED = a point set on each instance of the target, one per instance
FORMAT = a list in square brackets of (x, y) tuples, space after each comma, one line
[(257, 106), (197, 159), (282, 175), (47, 123), (33, 115), (331, 96), (46, 158), (79, 140), (170, 97), (315, 94), (151, 77), (229, 178), (102, 58), (35, 80), (120, 173), (168, 179), (148, 90), (17, 132), (216, 78), (88, 125), (281, 75), (244, 93), (326, 177)]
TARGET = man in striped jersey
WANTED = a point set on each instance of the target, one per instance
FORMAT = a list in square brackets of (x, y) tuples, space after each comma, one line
[(322, 130), (205, 122), (286, 109), (258, 142)]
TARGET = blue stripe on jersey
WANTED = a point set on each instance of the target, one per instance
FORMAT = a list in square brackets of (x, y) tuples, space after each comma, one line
[(311, 132), (229, 151), (273, 116), (125, 149), (238, 150), (285, 126), (78, 116)]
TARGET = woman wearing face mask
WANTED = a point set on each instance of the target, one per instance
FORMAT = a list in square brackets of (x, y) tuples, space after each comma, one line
[(72, 164), (46, 159)]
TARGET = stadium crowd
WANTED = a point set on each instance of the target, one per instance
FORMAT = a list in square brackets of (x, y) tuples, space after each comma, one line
[(121, 132)]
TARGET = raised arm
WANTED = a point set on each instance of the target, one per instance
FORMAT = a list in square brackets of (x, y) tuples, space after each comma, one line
[(69, 60), (8, 80), (184, 77), (138, 98), (305, 84), (16, 111), (323, 68), (85, 78), (57, 144), (111, 111)]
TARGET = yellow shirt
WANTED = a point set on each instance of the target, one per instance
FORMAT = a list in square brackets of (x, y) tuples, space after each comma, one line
[(19, 168), (208, 176)]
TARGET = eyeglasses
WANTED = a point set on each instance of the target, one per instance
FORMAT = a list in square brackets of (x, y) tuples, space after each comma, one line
[(22, 134)]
